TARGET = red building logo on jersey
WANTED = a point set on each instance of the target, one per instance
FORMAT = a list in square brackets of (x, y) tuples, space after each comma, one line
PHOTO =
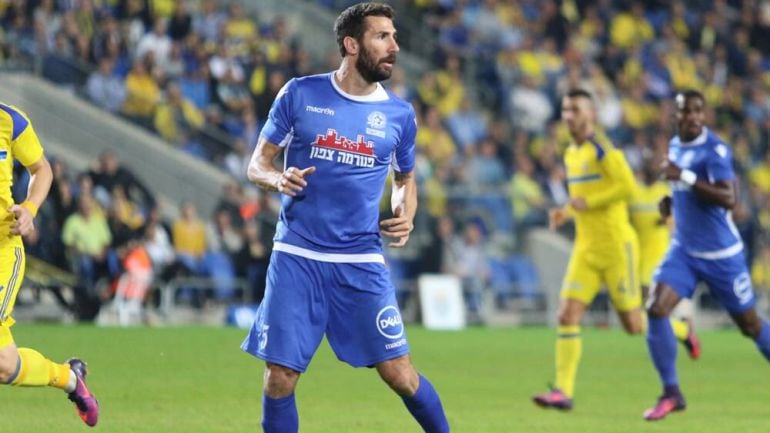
[(334, 141)]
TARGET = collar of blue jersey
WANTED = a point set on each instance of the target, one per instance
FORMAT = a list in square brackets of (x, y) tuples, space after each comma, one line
[(378, 95), (700, 139)]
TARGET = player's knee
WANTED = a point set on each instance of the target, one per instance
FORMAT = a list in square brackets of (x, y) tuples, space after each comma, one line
[(280, 381), (750, 328), (657, 311), (8, 366), (566, 318), (634, 328), (400, 376)]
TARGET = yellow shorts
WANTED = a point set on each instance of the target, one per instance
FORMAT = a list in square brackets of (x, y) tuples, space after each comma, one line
[(619, 273), (12, 262), (651, 256)]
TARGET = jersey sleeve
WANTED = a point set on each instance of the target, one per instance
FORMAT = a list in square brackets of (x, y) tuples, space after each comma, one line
[(403, 161), (25, 146), (616, 168), (278, 128), (720, 164)]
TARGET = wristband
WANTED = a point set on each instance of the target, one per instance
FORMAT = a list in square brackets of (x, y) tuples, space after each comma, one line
[(688, 177), (30, 207)]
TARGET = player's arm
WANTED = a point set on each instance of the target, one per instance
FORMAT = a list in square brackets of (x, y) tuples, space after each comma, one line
[(41, 177), (263, 173), (616, 168), (403, 202), (720, 193)]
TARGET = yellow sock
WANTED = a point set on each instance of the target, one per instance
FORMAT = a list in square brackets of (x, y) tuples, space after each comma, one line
[(569, 347), (36, 370), (681, 329)]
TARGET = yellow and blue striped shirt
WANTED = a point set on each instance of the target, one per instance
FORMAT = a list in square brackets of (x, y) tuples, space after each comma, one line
[(17, 141), (599, 173)]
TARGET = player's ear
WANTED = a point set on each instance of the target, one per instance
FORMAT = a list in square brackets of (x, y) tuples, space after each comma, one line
[(351, 45)]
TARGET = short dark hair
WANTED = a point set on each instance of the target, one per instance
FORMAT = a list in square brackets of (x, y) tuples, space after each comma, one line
[(351, 21), (579, 93), (687, 94)]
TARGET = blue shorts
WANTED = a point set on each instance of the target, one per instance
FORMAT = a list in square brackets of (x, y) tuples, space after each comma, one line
[(728, 279), (353, 303)]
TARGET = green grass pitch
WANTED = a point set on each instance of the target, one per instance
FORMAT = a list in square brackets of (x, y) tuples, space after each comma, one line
[(195, 380)]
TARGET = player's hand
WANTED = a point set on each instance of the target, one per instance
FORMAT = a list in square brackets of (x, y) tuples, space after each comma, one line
[(397, 227), (292, 180), (578, 203), (670, 170), (24, 222), (556, 218), (664, 207)]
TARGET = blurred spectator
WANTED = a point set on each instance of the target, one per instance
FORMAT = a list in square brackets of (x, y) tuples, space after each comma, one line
[(232, 94), (105, 88), (529, 203), (467, 261), (189, 238), (629, 29), (264, 100), (158, 242), (87, 237), (177, 117), (209, 22), (433, 140), (142, 94), (156, 42), (254, 257), (760, 272), (530, 107), (180, 24), (109, 172), (467, 125), (485, 170)]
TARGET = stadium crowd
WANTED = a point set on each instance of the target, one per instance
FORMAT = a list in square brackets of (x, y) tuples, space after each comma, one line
[(202, 75)]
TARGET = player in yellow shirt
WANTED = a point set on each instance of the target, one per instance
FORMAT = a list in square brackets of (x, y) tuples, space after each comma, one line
[(24, 366), (606, 250), (654, 234)]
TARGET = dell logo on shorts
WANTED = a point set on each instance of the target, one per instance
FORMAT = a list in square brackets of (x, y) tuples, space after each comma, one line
[(389, 323), (742, 288)]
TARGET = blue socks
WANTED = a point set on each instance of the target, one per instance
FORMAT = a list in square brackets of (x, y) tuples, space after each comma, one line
[(425, 407), (763, 340), (662, 346), (279, 415)]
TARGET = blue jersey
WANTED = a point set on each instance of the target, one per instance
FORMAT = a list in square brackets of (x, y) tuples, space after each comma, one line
[(352, 141), (702, 229)]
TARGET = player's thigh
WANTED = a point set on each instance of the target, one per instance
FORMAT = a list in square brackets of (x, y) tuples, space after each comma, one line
[(12, 263), (729, 281), (678, 271), (365, 325), (582, 281), (622, 278), (293, 315)]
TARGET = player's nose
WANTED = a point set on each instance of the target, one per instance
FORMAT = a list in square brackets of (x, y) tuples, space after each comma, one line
[(394, 48)]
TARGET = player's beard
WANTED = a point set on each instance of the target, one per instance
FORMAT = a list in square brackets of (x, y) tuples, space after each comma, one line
[(369, 67)]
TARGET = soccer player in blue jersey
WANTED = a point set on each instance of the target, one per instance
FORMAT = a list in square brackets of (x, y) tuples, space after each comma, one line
[(706, 246), (339, 133)]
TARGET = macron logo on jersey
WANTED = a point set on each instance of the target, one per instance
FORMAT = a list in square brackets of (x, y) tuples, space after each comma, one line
[(320, 110)]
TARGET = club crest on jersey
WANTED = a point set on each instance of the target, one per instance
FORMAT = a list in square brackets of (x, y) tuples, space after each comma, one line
[(3, 155), (376, 123), (335, 147)]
